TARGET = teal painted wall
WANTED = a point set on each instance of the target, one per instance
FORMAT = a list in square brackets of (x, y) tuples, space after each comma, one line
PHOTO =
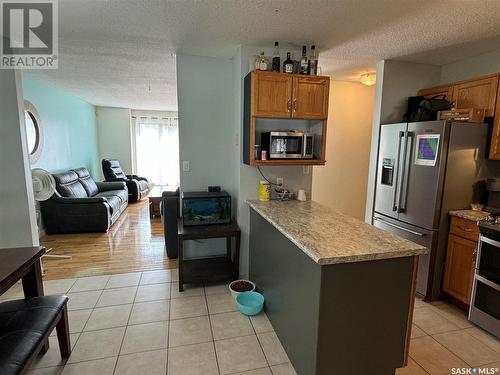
[(69, 126)]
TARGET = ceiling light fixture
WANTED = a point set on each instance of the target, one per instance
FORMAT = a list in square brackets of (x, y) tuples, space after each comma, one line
[(368, 79)]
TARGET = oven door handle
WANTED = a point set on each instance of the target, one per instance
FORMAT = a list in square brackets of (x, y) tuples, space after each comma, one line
[(490, 241), (487, 282)]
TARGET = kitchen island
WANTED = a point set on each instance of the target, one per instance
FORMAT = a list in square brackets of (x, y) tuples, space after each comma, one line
[(339, 292)]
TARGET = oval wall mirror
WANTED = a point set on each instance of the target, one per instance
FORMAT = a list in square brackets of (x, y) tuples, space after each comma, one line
[(34, 131)]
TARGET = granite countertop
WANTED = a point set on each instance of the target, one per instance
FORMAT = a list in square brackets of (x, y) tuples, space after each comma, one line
[(470, 214), (329, 237)]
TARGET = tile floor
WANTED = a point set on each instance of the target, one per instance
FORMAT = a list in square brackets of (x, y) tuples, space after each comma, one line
[(138, 323)]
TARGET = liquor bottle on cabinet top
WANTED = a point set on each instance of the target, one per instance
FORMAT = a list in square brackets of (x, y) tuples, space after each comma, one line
[(288, 64), (313, 62), (276, 58), (304, 61), (263, 62)]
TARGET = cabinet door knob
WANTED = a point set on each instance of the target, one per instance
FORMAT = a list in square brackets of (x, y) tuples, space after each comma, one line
[(295, 105), (288, 105)]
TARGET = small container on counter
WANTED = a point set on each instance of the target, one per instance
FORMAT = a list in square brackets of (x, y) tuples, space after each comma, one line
[(264, 191), (257, 152), (263, 155)]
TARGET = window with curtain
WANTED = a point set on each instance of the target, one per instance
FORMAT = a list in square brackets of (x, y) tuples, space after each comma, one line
[(157, 149)]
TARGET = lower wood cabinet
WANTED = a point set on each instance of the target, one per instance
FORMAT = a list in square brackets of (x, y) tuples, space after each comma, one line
[(459, 268)]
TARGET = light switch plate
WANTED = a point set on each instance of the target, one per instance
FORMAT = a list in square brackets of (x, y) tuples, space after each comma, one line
[(185, 165)]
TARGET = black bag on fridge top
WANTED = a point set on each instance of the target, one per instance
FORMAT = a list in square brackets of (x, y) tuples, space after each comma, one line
[(422, 109)]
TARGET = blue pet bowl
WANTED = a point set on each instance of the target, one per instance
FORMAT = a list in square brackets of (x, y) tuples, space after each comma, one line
[(250, 303)]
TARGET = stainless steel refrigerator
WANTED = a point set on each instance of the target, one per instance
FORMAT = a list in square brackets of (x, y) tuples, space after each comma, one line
[(426, 169)]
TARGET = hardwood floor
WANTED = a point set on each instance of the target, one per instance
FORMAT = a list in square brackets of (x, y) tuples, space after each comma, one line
[(134, 243)]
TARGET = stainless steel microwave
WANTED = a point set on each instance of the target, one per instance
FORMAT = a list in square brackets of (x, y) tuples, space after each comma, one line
[(288, 145)]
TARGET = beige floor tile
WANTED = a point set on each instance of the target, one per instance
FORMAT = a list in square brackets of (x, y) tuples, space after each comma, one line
[(453, 314), (104, 366), (228, 325), (188, 307), (412, 369), (189, 331), (485, 338), (77, 320), (219, 303), (417, 332), (89, 283), (150, 363), (189, 291), (156, 277), (147, 312), (120, 296), (239, 354), (61, 286), (83, 300), (108, 317), (145, 337), (46, 371), (192, 360), (431, 322), (123, 280), (260, 371), (261, 323), (217, 289), (53, 356), (433, 357), (283, 369), (153, 292), (420, 303), (97, 344), (273, 349), (468, 348)]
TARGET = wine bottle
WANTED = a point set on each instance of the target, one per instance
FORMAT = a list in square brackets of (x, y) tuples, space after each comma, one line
[(288, 64), (304, 61), (276, 58), (313, 62)]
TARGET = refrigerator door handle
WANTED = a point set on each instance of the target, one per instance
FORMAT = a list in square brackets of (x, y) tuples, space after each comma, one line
[(399, 227), (404, 179), (395, 197)]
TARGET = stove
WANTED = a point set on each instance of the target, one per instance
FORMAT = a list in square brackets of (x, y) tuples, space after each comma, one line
[(485, 301)]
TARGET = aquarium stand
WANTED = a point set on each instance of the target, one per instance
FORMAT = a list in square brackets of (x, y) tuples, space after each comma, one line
[(213, 269)]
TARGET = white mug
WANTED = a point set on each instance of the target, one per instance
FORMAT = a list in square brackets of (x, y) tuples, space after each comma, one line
[(301, 195)]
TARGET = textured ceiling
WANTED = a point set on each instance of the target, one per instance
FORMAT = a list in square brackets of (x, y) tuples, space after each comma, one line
[(122, 52)]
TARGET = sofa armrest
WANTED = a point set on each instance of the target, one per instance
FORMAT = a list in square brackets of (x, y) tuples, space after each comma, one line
[(67, 200), (135, 177), (111, 185)]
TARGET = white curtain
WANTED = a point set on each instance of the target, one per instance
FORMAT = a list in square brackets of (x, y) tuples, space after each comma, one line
[(157, 149)]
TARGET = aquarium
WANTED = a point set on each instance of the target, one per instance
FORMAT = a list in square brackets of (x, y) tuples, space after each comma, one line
[(204, 208)]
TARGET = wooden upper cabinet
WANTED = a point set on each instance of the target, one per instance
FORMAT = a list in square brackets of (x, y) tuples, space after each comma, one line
[(495, 137), (480, 94), (310, 97), (272, 94), (459, 268), (446, 90)]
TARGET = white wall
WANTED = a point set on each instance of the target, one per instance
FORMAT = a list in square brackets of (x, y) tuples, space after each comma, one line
[(17, 206), (342, 182), (396, 81), (486, 63), (114, 136), (208, 136)]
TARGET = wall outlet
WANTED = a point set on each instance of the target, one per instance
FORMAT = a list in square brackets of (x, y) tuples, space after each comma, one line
[(306, 169), (279, 180), (185, 165)]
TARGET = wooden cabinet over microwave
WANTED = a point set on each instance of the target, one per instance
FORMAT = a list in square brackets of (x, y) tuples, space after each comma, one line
[(293, 98), (278, 95)]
